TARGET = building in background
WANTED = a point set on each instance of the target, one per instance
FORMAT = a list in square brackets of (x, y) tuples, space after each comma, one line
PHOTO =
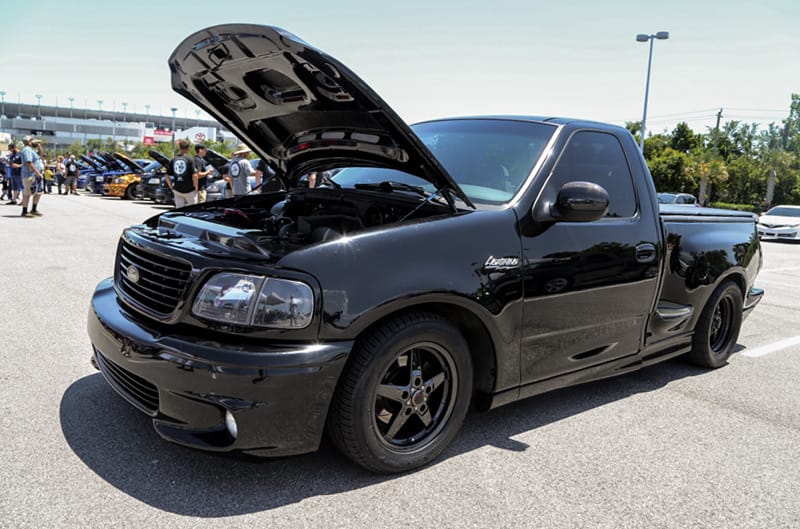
[(61, 127)]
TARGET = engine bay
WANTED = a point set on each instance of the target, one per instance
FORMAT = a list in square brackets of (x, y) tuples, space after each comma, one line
[(276, 223)]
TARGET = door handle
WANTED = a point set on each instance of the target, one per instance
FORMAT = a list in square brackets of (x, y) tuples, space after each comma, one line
[(645, 253)]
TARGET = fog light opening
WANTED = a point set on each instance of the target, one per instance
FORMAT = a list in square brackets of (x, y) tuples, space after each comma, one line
[(230, 424)]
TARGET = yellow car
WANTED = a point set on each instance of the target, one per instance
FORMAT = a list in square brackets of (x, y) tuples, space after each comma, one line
[(124, 185)]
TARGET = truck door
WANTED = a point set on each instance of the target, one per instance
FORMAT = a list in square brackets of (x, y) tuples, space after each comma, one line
[(589, 286)]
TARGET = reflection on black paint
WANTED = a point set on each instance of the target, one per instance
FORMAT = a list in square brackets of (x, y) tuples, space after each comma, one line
[(603, 264)]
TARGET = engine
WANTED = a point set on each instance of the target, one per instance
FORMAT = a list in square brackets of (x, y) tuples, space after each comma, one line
[(277, 223)]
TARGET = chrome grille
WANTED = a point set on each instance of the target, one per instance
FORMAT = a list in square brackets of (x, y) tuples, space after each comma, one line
[(161, 281), (133, 388)]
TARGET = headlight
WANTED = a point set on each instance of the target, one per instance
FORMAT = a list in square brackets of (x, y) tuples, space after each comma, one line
[(242, 299), (154, 181), (119, 180), (213, 188)]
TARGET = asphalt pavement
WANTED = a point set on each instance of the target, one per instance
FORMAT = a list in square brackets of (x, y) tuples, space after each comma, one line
[(671, 446)]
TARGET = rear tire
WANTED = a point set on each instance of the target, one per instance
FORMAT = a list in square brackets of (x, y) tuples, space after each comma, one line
[(404, 394), (718, 327)]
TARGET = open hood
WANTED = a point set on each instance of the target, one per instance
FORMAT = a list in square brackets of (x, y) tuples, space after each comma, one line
[(160, 158), (129, 163), (91, 162), (216, 160), (110, 162), (298, 108)]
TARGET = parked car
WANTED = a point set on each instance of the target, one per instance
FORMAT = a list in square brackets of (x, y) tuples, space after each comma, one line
[(678, 198), (106, 169), (154, 179), (381, 303), (780, 223), (124, 185), (151, 179)]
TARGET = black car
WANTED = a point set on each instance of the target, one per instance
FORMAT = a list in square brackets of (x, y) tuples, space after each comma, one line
[(380, 303)]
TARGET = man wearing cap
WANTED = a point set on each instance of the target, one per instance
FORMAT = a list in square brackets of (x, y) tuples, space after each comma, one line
[(239, 171), (182, 170), (203, 170), (32, 179)]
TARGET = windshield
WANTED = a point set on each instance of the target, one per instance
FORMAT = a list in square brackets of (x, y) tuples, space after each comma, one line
[(489, 159), (784, 211)]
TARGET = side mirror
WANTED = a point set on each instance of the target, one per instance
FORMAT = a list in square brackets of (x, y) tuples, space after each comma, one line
[(580, 202)]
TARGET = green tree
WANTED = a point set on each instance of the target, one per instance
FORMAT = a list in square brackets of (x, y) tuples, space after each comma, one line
[(708, 170), (683, 139), (669, 172)]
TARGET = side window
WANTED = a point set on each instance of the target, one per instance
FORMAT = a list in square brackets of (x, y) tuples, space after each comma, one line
[(597, 157)]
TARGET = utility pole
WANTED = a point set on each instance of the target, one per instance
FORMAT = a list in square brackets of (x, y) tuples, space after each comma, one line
[(716, 132), (705, 182)]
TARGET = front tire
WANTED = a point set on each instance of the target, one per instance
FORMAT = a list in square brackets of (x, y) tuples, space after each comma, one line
[(404, 395), (718, 327), (130, 192)]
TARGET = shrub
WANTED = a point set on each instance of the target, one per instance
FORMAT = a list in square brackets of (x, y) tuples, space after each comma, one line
[(738, 207)]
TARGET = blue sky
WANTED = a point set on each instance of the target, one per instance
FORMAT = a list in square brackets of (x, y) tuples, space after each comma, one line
[(431, 59)]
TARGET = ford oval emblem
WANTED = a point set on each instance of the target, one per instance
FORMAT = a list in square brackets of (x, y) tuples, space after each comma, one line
[(132, 273)]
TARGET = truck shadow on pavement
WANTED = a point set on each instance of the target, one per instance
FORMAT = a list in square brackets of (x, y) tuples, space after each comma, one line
[(119, 444)]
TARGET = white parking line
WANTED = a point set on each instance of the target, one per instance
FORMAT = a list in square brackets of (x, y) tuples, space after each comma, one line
[(771, 348), (770, 282), (788, 269)]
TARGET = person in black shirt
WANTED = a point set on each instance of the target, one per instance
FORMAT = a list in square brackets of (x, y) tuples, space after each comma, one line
[(203, 169), (182, 170), (73, 172), (15, 161)]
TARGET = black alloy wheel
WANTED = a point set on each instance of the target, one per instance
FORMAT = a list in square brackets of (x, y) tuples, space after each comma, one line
[(718, 327), (415, 397), (403, 395)]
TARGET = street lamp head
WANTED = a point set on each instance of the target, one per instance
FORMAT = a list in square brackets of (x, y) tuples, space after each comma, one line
[(662, 35), (641, 37)]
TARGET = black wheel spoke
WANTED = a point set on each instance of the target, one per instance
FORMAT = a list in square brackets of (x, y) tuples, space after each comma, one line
[(426, 417), (399, 421), (393, 393), (434, 382)]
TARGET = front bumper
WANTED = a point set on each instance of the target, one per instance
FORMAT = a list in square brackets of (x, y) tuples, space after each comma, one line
[(114, 190), (278, 394), (782, 233)]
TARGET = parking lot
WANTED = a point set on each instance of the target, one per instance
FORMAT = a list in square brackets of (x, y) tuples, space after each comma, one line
[(671, 446)]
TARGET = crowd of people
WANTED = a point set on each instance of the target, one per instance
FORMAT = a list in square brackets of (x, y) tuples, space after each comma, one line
[(25, 175)]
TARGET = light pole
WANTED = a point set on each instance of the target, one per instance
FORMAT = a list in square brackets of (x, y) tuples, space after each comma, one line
[(100, 107), (2, 103), (71, 99), (197, 113), (147, 109), (173, 109), (124, 112), (39, 105), (641, 37)]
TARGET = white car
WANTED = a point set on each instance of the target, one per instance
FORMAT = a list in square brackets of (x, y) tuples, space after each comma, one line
[(780, 223)]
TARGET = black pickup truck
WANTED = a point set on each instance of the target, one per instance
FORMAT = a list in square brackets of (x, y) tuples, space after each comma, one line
[(472, 260)]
